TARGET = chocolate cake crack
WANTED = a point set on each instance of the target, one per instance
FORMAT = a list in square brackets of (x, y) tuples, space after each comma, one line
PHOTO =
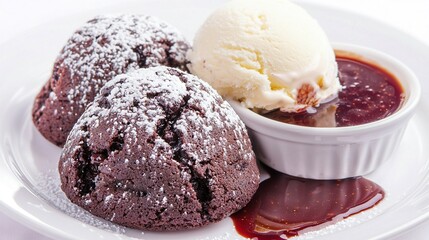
[(90, 160), (159, 213), (141, 58), (165, 128), (200, 184), (117, 143), (87, 170), (171, 56), (201, 187)]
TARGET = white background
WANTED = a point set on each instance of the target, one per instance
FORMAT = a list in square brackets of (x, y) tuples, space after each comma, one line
[(18, 16)]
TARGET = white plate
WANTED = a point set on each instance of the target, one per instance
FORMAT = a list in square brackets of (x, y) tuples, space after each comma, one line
[(28, 176)]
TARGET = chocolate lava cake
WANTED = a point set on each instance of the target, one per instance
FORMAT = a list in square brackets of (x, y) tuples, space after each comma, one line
[(159, 149), (101, 49)]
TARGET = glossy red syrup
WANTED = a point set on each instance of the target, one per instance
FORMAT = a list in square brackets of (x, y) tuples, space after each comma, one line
[(284, 205), (369, 93)]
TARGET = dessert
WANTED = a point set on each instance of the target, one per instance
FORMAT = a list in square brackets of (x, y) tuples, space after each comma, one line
[(267, 55), (159, 149), (370, 93), (101, 49)]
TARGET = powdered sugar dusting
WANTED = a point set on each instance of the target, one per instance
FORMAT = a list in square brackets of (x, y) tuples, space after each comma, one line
[(128, 97), (108, 45), (48, 184), (100, 50)]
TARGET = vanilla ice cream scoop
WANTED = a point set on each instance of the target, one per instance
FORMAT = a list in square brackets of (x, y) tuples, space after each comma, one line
[(267, 54)]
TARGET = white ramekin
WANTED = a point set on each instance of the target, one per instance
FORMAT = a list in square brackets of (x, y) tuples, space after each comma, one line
[(334, 153)]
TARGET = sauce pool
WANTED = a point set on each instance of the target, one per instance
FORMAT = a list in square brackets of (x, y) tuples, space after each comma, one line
[(284, 205), (369, 93)]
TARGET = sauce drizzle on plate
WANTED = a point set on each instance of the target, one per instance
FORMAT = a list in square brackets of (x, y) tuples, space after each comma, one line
[(284, 205)]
